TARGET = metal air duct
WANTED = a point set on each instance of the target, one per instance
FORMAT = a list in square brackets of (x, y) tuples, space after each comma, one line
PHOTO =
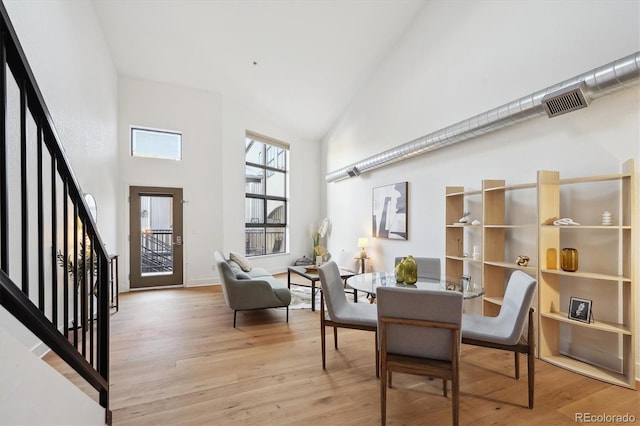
[(569, 95)]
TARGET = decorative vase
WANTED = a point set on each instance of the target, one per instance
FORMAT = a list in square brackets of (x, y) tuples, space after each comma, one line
[(552, 259), (410, 270), (399, 271), (569, 259)]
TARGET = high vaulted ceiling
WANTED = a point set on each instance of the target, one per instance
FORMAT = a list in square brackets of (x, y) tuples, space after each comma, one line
[(297, 62)]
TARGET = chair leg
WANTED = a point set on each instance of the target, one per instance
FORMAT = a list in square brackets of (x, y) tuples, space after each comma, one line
[(444, 387), (234, 318), (287, 314), (335, 337), (530, 374), (455, 399), (377, 356), (516, 358), (323, 344), (383, 394)]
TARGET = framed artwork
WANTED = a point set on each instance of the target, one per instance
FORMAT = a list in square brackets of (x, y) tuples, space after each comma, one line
[(580, 309), (389, 212)]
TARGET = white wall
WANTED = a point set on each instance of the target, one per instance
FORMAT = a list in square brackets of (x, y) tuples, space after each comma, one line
[(25, 401), (197, 115), (460, 59), (304, 185), (78, 82), (211, 172)]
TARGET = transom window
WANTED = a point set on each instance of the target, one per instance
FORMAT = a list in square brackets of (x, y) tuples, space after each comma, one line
[(156, 144), (266, 202)]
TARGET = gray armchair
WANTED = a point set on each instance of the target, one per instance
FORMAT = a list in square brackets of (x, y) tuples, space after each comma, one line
[(255, 289), (506, 330)]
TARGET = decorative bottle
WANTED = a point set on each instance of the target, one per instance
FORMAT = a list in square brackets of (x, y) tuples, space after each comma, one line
[(399, 271), (410, 270), (552, 259)]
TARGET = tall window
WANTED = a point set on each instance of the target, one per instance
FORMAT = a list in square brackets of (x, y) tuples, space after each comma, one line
[(265, 211)]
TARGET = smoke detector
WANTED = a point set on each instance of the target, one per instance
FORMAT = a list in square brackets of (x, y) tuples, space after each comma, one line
[(567, 99)]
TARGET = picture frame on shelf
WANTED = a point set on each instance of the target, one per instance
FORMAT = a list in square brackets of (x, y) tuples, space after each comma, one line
[(390, 211), (580, 309)]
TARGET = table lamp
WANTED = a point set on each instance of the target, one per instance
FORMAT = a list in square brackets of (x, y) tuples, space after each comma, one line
[(363, 243)]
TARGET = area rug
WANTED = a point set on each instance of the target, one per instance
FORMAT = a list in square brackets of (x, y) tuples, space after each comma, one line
[(301, 298)]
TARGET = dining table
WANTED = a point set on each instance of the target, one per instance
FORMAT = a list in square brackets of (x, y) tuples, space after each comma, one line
[(370, 281)]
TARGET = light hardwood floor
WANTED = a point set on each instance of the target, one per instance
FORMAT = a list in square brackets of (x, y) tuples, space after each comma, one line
[(177, 360)]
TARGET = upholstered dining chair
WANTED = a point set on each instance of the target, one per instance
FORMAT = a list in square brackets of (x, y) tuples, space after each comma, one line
[(420, 334), (428, 267), (340, 312), (505, 331)]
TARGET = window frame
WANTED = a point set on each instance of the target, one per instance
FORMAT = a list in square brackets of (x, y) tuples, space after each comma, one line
[(268, 170), (132, 129)]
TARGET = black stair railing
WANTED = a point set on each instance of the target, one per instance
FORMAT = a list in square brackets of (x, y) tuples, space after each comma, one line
[(54, 274), (156, 251)]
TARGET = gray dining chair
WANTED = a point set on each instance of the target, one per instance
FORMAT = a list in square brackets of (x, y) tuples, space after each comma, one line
[(428, 267), (420, 334), (340, 312), (505, 331)]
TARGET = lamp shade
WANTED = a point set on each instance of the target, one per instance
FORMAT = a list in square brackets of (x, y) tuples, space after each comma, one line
[(363, 242)]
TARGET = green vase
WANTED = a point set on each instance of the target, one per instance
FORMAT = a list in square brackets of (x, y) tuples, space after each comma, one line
[(400, 271), (410, 270)]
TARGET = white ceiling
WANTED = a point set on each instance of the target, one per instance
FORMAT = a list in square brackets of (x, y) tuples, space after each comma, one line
[(311, 56)]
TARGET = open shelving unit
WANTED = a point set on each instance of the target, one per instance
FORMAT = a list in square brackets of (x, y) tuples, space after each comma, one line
[(509, 230), (518, 220), (608, 280), (460, 238)]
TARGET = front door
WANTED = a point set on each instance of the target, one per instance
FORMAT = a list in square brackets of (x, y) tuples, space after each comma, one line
[(155, 236)]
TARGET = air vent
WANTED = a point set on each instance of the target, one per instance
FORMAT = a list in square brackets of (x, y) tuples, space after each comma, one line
[(353, 172), (568, 99)]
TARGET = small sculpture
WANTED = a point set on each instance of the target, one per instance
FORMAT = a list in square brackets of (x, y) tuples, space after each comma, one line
[(464, 218), (522, 260), (565, 221)]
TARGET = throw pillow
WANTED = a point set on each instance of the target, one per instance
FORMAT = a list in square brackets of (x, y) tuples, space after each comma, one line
[(235, 268), (240, 260)]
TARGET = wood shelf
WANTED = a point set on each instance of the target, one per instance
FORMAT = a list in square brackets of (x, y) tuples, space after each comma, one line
[(510, 265), (524, 226), (608, 327), (609, 227), (512, 187), (594, 179), (590, 370), (589, 275), (465, 193), (465, 259), (493, 300), (556, 285), (501, 238)]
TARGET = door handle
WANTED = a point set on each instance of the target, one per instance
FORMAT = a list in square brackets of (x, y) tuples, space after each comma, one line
[(178, 241)]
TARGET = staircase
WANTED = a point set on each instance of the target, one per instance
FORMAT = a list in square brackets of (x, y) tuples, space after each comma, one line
[(54, 270)]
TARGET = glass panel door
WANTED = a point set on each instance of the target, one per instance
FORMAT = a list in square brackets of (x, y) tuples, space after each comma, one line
[(155, 236)]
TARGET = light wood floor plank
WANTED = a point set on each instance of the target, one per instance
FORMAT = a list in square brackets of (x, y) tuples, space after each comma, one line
[(177, 360)]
